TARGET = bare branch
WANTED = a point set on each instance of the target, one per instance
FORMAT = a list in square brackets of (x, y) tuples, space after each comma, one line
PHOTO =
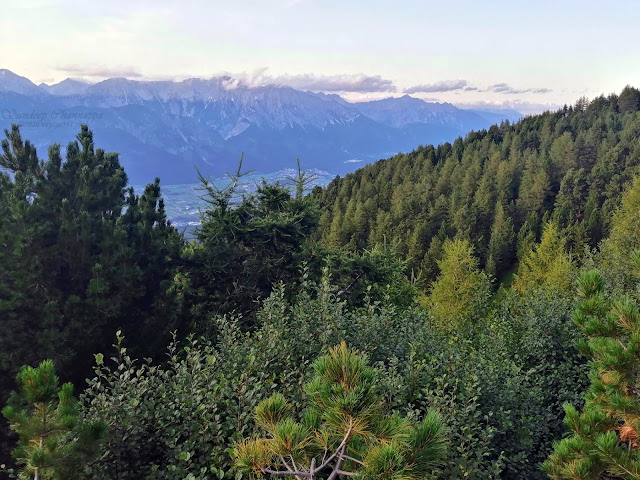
[(346, 474), (295, 467), (351, 459), (335, 473), (340, 448), (287, 473)]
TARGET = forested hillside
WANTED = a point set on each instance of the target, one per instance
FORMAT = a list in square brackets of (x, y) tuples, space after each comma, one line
[(496, 187), (290, 338)]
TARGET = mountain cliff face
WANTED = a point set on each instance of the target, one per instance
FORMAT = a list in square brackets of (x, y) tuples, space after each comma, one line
[(166, 129)]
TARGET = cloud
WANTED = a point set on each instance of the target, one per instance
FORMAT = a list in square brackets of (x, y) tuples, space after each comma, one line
[(509, 90), (522, 106), (337, 83), (501, 88), (359, 83), (442, 86), (100, 71), (343, 83)]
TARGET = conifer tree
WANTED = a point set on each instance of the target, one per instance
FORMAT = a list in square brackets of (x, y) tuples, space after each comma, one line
[(573, 163), (430, 260), (500, 252), (53, 442), (624, 238), (381, 229), (344, 432), (526, 238), (246, 243), (416, 242), (335, 237), (547, 265), (534, 188), (302, 181), (76, 265), (461, 290), (629, 100), (563, 156), (604, 436)]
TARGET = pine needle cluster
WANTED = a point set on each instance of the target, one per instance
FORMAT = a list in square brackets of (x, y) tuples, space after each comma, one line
[(603, 441), (344, 431), (53, 441)]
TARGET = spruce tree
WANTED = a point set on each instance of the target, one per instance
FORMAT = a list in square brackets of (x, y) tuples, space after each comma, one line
[(247, 242)]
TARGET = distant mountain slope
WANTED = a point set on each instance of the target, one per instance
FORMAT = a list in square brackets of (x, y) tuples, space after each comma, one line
[(164, 128), (398, 112), (10, 82), (66, 87)]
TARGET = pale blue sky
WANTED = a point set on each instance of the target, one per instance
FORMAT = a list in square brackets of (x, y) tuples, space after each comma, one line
[(523, 54)]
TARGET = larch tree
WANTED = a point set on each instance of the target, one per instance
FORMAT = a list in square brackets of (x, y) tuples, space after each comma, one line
[(500, 251), (461, 291), (547, 265), (624, 238)]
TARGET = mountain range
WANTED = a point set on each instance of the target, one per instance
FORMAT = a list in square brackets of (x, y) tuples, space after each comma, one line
[(165, 129)]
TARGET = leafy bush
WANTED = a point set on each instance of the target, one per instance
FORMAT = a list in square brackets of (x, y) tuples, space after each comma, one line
[(498, 383)]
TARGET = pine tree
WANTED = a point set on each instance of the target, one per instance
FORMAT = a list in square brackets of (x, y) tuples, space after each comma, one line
[(53, 442), (604, 436), (344, 431), (76, 262)]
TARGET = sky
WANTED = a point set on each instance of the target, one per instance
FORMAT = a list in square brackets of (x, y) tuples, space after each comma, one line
[(519, 54)]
